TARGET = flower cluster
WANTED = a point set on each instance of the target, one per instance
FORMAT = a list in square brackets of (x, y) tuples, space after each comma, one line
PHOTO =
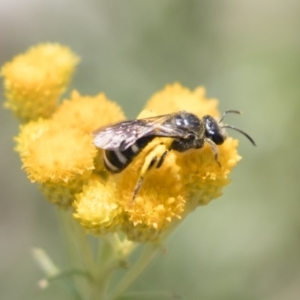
[(34, 81), (57, 151)]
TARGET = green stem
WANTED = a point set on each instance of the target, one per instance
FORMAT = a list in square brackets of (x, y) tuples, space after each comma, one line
[(104, 253), (143, 261), (79, 252), (141, 264), (112, 253), (69, 273)]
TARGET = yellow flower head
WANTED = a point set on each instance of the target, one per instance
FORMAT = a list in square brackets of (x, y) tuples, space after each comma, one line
[(34, 81), (96, 208), (29, 132), (184, 181), (202, 176), (175, 97), (59, 155), (88, 113), (161, 197)]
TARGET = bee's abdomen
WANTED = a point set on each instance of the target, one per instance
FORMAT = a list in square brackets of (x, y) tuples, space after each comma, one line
[(116, 161)]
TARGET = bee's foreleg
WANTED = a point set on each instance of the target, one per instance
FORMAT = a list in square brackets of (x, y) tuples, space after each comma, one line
[(215, 150), (154, 159)]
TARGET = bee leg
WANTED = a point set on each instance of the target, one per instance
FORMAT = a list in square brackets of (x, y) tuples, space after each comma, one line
[(215, 150), (155, 158), (136, 189), (162, 159), (152, 163)]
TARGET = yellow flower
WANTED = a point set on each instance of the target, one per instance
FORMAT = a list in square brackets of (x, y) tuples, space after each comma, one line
[(202, 176), (29, 132), (56, 147), (184, 181), (175, 97), (60, 159), (59, 155), (34, 81), (96, 208), (88, 113), (160, 200)]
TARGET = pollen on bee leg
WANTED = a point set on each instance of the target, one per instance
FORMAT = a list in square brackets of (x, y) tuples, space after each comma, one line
[(154, 158), (161, 159), (157, 156)]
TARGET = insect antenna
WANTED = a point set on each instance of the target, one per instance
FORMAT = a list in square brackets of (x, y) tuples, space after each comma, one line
[(234, 128), (229, 111), (242, 132)]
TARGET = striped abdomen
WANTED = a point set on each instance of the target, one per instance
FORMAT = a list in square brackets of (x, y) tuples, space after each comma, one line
[(116, 161)]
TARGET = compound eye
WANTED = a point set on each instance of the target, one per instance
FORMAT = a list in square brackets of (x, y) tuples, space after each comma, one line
[(213, 130), (217, 138)]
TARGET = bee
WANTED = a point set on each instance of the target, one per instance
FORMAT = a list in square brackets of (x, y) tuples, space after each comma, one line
[(123, 141)]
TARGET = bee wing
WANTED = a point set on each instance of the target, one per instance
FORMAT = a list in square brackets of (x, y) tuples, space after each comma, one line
[(112, 137), (124, 134)]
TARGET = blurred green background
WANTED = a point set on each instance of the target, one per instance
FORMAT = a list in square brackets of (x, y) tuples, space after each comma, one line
[(245, 245)]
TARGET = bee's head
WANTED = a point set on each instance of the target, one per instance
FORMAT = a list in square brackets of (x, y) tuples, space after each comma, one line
[(215, 132)]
